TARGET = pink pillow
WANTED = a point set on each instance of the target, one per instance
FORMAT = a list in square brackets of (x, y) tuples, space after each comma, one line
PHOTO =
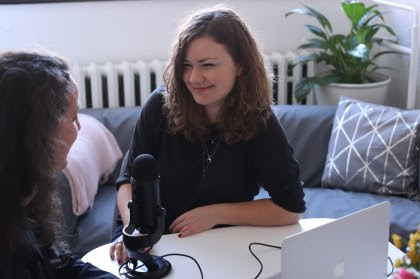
[(91, 159)]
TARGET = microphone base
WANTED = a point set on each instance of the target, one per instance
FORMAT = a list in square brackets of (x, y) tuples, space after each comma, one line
[(156, 268)]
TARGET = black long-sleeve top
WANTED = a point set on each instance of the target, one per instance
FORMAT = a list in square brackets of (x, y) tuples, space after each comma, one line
[(235, 174), (34, 261)]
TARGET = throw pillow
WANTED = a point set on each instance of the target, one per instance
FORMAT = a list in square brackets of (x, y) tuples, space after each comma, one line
[(92, 157), (374, 149)]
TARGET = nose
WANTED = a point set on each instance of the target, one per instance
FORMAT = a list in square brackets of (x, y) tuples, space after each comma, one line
[(78, 125), (195, 75)]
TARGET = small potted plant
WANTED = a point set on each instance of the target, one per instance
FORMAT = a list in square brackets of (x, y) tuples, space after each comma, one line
[(408, 267), (349, 58)]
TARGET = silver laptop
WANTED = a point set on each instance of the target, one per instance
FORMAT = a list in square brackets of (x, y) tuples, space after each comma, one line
[(352, 247)]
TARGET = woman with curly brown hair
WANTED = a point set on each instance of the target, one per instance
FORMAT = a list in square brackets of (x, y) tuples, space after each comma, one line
[(214, 135), (38, 125)]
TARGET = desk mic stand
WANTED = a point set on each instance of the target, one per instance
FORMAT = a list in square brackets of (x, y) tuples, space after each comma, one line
[(156, 267)]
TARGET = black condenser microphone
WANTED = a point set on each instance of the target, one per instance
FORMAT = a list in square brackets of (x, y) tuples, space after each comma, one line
[(145, 193), (147, 221)]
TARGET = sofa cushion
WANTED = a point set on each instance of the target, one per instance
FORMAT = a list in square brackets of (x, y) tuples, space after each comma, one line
[(94, 228), (308, 128), (373, 149), (335, 203), (120, 122)]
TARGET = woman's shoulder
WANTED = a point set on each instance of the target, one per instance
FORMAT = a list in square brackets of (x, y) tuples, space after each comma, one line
[(272, 124), (272, 131), (157, 97), (154, 103)]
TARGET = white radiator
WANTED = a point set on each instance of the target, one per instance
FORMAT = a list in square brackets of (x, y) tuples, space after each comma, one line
[(130, 83)]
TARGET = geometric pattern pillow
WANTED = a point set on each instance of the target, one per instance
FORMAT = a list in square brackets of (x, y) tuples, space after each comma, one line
[(373, 149)]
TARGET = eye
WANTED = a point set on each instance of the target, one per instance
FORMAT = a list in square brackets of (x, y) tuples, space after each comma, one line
[(186, 65), (208, 65)]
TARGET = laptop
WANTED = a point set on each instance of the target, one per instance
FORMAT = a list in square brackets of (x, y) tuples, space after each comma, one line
[(353, 246)]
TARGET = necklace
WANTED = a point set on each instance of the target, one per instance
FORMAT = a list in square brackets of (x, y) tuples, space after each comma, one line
[(208, 156)]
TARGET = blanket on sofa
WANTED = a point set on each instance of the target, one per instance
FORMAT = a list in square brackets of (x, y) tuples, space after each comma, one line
[(92, 158)]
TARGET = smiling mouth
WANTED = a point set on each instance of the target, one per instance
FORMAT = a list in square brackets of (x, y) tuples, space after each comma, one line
[(201, 89)]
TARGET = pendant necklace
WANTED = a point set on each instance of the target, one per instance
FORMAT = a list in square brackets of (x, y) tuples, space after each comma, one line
[(208, 156)]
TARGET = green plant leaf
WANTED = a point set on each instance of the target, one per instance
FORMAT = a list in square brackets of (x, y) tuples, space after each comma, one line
[(337, 45), (376, 12), (313, 13), (360, 51), (305, 59), (362, 35), (374, 69), (386, 27), (347, 56), (368, 19), (327, 59), (379, 41), (317, 31), (384, 52), (306, 85), (372, 32), (314, 43), (354, 11), (327, 79), (321, 18)]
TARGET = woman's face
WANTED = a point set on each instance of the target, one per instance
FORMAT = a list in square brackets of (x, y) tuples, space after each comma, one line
[(67, 130), (209, 74)]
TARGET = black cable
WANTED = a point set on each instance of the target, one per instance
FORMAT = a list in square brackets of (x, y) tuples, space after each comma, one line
[(160, 257), (126, 263), (392, 265), (259, 261)]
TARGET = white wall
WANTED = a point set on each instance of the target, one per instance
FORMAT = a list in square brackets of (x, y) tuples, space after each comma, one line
[(131, 30), (101, 31), (401, 21)]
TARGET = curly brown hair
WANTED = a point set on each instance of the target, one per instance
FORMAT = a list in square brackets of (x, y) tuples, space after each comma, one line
[(248, 105), (34, 94)]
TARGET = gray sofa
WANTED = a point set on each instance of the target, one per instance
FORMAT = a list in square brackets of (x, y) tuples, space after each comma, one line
[(308, 129)]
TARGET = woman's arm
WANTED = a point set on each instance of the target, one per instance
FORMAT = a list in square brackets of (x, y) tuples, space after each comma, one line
[(262, 212), (124, 195)]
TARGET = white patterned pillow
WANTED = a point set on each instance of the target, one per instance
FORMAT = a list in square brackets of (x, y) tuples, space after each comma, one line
[(373, 149)]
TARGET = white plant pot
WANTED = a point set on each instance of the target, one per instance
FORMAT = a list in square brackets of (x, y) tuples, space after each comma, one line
[(367, 92)]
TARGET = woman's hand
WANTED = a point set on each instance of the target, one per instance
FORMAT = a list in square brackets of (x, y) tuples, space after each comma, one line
[(194, 221), (118, 249)]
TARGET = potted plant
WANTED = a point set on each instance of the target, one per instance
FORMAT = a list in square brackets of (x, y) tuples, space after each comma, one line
[(408, 267), (349, 58)]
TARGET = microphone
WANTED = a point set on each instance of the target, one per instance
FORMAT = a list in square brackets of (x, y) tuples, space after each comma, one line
[(147, 221), (145, 193)]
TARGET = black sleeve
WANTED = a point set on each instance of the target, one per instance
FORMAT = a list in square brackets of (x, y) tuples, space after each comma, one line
[(36, 262), (76, 268), (147, 133), (278, 171)]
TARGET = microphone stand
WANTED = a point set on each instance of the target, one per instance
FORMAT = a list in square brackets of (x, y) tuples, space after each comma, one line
[(156, 267)]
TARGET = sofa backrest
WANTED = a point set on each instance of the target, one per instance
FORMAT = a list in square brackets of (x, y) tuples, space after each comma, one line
[(308, 128), (121, 123)]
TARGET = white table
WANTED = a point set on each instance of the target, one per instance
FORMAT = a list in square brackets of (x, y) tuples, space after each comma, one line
[(223, 253)]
